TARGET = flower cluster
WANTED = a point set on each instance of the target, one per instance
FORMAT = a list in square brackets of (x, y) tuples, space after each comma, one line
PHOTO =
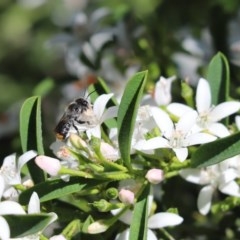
[(110, 180)]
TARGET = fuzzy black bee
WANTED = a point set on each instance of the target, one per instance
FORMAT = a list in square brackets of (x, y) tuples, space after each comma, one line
[(77, 113)]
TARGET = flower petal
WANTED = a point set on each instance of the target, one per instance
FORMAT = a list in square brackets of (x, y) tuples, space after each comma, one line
[(151, 235), (199, 138), (205, 199), (191, 175), (203, 96), (152, 143), (27, 156), (165, 219), (223, 110), (109, 113), (126, 217), (2, 186), (187, 121), (34, 204), (163, 121), (10, 207), (9, 162), (5, 230), (219, 130), (237, 120), (123, 235), (100, 104), (178, 109), (162, 93), (181, 153), (95, 131), (230, 188)]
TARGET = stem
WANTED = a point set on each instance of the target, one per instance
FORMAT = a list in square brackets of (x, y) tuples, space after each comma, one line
[(166, 234), (77, 173), (71, 229)]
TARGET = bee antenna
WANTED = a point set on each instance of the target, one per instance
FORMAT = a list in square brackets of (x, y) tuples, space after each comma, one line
[(91, 93)]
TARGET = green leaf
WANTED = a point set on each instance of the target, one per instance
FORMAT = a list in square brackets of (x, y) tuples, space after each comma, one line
[(217, 151), (31, 133), (127, 114), (138, 228), (218, 77), (99, 88), (57, 188), (44, 87), (24, 225)]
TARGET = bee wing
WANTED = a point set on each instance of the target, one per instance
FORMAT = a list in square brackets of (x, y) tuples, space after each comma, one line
[(62, 122)]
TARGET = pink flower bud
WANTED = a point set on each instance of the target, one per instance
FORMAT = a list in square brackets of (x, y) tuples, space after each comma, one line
[(48, 164), (155, 176), (109, 152), (126, 196)]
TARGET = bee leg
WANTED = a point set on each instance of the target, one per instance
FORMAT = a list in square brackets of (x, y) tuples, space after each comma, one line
[(74, 126), (83, 122)]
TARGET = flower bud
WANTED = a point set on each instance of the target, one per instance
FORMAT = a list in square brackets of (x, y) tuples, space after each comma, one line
[(126, 196), (155, 176), (57, 237), (102, 205), (97, 227), (77, 141), (112, 193), (109, 152), (48, 164)]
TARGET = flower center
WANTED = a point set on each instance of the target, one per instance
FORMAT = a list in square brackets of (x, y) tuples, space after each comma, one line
[(203, 119), (176, 140)]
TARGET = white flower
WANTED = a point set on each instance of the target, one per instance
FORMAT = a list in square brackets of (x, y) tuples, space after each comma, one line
[(156, 221), (162, 93), (8, 207), (10, 172), (177, 137), (100, 114), (144, 123), (11, 207), (208, 115), (219, 176)]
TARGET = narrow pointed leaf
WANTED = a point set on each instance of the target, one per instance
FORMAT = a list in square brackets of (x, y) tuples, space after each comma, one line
[(31, 133), (138, 228), (217, 151), (57, 188), (218, 77), (127, 114), (30, 224)]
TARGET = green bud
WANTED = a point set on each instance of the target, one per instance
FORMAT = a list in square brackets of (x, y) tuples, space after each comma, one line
[(102, 205), (78, 142), (105, 206), (187, 94), (112, 193)]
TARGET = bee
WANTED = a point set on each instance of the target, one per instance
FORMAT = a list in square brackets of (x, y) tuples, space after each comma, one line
[(78, 112)]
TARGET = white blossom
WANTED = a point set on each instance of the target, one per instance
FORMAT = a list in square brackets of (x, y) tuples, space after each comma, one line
[(10, 173), (208, 114), (219, 176), (175, 136)]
